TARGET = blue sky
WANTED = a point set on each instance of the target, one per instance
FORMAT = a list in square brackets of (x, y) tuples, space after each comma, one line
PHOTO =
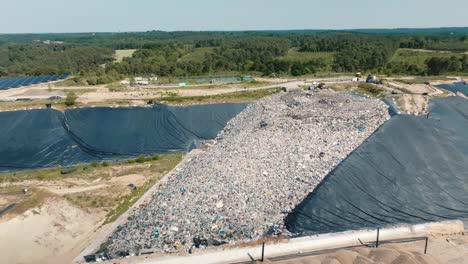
[(38, 16)]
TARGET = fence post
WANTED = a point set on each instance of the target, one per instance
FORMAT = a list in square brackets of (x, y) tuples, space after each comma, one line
[(425, 247), (263, 250), (377, 241)]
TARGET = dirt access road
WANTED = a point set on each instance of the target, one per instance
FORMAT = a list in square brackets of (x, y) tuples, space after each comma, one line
[(149, 93), (99, 93), (43, 91)]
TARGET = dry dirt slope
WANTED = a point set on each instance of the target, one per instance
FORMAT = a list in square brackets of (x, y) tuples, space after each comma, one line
[(52, 233)]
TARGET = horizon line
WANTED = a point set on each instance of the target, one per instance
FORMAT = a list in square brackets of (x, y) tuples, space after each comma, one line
[(235, 30)]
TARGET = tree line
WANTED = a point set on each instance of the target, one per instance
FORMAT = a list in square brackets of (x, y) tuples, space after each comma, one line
[(262, 55), (40, 59), (90, 56)]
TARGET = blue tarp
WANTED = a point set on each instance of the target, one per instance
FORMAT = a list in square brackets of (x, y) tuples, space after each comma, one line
[(44, 138), (413, 169)]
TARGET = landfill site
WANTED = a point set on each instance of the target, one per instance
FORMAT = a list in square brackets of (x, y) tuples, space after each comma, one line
[(265, 161), (278, 179), (306, 163)]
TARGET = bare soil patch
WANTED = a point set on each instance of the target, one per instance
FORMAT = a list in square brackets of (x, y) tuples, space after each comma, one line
[(49, 233)]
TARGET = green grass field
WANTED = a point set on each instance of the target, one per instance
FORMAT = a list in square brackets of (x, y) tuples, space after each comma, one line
[(121, 54), (294, 55), (198, 54), (418, 56)]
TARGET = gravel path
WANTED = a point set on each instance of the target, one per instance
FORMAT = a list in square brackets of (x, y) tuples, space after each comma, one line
[(260, 167)]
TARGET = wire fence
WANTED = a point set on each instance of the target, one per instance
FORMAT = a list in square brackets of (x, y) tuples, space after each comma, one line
[(374, 244)]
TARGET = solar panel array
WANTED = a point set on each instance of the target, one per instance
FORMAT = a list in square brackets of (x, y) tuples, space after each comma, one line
[(15, 82)]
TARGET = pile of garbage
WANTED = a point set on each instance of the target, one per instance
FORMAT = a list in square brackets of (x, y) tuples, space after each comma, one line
[(265, 162)]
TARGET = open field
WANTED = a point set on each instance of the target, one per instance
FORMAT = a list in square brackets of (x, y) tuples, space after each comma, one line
[(121, 54), (198, 54), (417, 58)]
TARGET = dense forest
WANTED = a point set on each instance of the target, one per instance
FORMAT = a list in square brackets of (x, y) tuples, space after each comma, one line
[(90, 56)]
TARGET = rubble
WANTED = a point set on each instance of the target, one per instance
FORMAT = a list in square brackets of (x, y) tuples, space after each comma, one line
[(243, 185)]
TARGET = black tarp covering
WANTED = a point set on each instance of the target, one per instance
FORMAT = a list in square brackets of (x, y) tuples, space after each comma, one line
[(43, 138), (393, 108), (413, 169), (36, 138), (456, 87)]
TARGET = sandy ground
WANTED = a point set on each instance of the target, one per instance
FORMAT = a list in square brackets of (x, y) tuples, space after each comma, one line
[(53, 233), (68, 186), (60, 190), (450, 81), (137, 179), (413, 103), (101, 93), (5, 200), (42, 91), (441, 249), (416, 96), (384, 254), (415, 88), (187, 91), (31, 93), (56, 231)]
